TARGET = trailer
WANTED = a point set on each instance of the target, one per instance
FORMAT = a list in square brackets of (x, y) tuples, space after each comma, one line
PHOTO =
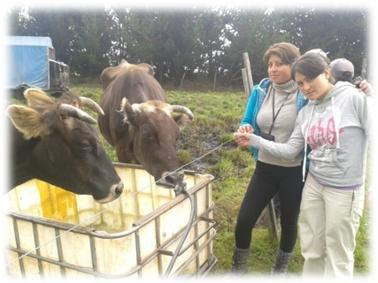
[(54, 233), (32, 63)]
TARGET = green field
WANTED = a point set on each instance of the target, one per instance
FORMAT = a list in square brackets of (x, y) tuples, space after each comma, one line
[(217, 115)]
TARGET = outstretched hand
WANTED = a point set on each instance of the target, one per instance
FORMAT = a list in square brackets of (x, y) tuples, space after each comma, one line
[(242, 139), (245, 129)]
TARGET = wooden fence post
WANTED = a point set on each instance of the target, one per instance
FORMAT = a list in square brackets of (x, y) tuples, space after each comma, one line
[(215, 81), (247, 66), (245, 82), (182, 80)]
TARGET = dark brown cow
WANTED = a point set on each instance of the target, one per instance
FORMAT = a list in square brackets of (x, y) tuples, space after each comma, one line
[(145, 131), (55, 142)]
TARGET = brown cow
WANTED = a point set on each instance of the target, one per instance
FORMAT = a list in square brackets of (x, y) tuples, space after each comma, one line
[(145, 131), (55, 142)]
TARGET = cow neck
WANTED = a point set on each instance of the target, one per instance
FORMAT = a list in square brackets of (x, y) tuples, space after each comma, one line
[(20, 174), (131, 131), (23, 167)]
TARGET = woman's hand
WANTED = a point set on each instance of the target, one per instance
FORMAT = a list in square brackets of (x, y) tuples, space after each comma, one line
[(242, 139), (365, 87), (245, 129)]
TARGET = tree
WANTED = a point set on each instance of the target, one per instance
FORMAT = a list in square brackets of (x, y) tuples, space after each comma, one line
[(193, 44)]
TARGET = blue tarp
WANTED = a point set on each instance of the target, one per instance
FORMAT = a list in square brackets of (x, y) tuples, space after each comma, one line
[(28, 62)]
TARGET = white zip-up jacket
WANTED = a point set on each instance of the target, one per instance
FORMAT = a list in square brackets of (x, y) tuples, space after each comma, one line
[(336, 128)]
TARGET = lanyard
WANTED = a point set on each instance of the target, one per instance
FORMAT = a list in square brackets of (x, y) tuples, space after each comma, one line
[(274, 116)]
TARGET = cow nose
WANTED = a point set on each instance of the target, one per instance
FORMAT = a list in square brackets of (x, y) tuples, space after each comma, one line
[(118, 189), (170, 179), (167, 180)]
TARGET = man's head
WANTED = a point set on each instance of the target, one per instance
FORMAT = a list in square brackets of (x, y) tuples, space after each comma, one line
[(342, 69)]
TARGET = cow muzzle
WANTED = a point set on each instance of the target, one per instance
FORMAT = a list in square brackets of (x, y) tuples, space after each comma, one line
[(115, 192), (169, 180)]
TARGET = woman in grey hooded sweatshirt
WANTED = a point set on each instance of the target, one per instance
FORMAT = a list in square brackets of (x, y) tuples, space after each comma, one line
[(335, 126)]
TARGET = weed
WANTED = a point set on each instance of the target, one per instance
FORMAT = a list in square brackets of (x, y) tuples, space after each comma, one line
[(184, 156)]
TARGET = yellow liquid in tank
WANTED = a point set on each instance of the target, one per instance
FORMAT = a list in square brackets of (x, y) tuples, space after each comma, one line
[(56, 203)]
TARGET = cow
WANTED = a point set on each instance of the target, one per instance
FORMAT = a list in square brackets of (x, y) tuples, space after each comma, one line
[(138, 122), (56, 142)]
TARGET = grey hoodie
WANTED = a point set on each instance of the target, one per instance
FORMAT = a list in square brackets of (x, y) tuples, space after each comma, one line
[(336, 128)]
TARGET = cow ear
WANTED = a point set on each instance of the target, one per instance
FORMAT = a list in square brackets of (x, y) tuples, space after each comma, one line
[(148, 68), (27, 121), (130, 112), (37, 98), (182, 120)]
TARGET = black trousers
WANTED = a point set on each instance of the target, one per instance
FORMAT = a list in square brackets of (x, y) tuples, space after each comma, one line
[(267, 181)]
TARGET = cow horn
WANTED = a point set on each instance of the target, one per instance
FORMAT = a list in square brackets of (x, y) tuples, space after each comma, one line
[(181, 109), (124, 104), (73, 111), (91, 104), (128, 110)]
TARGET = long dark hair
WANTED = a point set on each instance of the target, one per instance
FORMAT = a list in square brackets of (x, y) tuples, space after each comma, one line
[(310, 65)]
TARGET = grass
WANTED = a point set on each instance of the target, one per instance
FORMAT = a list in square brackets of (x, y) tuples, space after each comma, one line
[(217, 115)]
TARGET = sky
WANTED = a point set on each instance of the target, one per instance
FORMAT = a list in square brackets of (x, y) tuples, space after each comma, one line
[(162, 4)]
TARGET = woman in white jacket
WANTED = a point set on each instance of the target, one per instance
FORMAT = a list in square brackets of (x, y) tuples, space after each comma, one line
[(335, 125)]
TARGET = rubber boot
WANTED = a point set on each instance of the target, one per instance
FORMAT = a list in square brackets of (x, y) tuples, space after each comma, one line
[(239, 261), (282, 262)]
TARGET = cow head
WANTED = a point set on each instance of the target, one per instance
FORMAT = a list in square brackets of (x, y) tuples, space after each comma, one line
[(110, 73), (66, 151), (155, 131)]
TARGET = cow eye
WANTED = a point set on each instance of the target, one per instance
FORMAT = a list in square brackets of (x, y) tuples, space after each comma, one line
[(147, 132), (151, 138), (85, 147)]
